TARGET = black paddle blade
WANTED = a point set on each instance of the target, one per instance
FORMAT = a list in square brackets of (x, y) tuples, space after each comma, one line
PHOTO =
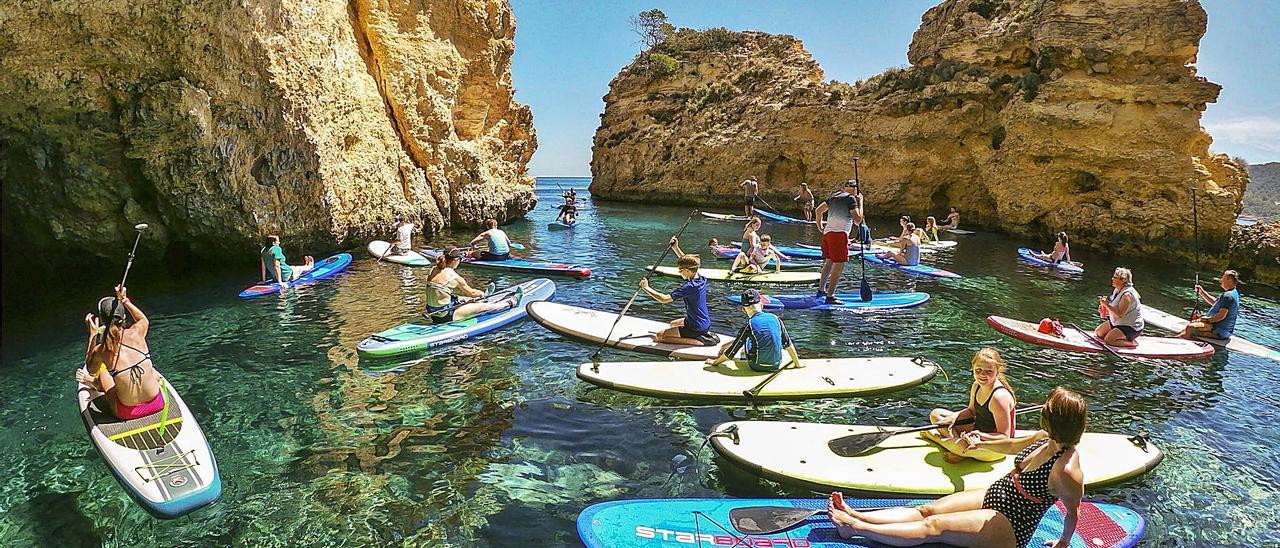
[(866, 291), (764, 520), (857, 444)]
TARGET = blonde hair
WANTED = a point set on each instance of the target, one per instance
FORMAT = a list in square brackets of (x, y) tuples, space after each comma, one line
[(1124, 274), (992, 355)]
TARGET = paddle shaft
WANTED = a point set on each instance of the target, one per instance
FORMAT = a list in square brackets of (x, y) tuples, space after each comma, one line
[(1096, 341), (1195, 227), (486, 298), (856, 444), (132, 253), (969, 420), (755, 390), (864, 290)]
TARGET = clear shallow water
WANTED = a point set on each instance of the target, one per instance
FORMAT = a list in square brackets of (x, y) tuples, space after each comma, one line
[(495, 442)]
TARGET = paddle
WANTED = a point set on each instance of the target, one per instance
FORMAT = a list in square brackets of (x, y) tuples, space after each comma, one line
[(1195, 226), (755, 390), (140, 227), (766, 520), (857, 444), (1095, 340), (490, 297), (661, 258), (864, 290)]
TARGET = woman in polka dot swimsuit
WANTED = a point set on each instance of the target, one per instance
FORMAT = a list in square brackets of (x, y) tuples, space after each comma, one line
[(1047, 469)]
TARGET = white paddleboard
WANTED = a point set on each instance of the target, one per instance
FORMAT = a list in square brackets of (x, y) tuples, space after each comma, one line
[(1236, 343), (766, 277), (631, 333), (379, 248)]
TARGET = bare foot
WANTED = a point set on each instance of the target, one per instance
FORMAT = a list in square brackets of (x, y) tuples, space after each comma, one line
[(846, 524)]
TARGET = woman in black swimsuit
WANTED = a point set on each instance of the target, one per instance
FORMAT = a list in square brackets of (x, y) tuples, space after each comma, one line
[(1047, 469), (989, 415)]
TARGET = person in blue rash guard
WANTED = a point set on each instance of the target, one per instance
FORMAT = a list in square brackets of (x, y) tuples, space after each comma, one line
[(694, 329), (764, 338), (1219, 322)]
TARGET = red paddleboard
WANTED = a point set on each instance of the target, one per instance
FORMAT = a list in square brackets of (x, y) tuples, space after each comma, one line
[(1075, 341)]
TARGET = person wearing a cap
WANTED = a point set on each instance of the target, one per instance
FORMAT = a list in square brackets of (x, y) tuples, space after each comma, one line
[(499, 245), (274, 266), (1219, 321), (764, 338), (806, 201), (842, 209), (118, 360), (404, 237), (752, 187), (445, 286), (694, 329)]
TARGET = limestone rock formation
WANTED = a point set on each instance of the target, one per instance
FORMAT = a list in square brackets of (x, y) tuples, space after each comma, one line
[(1029, 116), (218, 122)]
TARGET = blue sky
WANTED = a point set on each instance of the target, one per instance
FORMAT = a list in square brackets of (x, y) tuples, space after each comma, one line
[(568, 51)]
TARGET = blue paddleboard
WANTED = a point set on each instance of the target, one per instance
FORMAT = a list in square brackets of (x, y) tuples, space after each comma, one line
[(1027, 255), (706, 522), (792, 251), (323, 269), (781, 218), (923, 270), (848, 301), (521, 265)]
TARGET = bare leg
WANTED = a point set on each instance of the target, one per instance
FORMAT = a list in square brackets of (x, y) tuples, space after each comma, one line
[(836, 270), (672, 336), (475, 309), (964, 528), (1116, 337), (1102, 329)]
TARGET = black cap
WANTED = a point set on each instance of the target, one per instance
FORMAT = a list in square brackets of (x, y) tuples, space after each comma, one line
[(750, 297), (110, 308), (850, 183), (453, 253)]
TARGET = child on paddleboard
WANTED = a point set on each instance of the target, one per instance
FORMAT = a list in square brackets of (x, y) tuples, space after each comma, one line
[(694, 329), (764, 338), (991, 405), (755, 261)]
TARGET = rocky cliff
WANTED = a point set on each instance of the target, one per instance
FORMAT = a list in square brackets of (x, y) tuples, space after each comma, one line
[(1029, 116), (218, 122)]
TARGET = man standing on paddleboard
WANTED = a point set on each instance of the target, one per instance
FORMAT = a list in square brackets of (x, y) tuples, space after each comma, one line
[(840, 210), (752, 188)]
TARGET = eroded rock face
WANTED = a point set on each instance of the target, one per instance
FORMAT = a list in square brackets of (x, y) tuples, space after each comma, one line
[(218, 122), (1030, 117)]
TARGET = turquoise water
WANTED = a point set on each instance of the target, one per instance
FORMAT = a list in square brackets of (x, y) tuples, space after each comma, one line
[(495, 442)]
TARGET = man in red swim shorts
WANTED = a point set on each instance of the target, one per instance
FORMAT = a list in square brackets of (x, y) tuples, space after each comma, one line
[(841, 209)]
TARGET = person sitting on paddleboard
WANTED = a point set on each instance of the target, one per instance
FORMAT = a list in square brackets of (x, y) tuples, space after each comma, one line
[(119, 364), (1122, 311), (751, 236), (806, 201), (991, 405), (751, 187), (275, 267), (953, 219), (1061, 250), (909, 243), (694, 329), (842, 210), (404, 237), (499, 245), (1045, 471), (931, 229), (764, 338), (903, 221), (1219, 322), (568, 213), (755, 262), (445, 286)]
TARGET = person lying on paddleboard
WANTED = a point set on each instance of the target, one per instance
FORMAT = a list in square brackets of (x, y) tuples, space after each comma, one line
[(275, 267), (1061, 250), (752, 188), (991, 405), (931, 229), (909, 244), (764, 338), (694, 329), (806, 201), (499, 245), (1046, 470), (446, 288), (1219, 321), (1122, 312), (404, 237), (953, 219), (758, 259), (118, 363)]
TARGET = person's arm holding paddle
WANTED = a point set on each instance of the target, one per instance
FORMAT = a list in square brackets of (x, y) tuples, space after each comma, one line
[(657, 295), (140, 321)]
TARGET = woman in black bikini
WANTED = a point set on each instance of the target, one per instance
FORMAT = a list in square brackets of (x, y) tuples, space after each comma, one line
[(118, 360), (1047, 469)]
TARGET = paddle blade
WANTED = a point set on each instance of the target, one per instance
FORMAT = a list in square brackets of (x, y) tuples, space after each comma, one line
[(865, 291), (764, 520), (857, 444)]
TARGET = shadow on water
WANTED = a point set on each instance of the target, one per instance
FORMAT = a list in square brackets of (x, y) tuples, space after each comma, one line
[(57, 519)]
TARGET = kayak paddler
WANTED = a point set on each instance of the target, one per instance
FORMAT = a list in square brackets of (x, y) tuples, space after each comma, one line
[(1219, 322), (694, 329), (497, 242), (118, 360), (274, 266), (764, 338), (991, 408)]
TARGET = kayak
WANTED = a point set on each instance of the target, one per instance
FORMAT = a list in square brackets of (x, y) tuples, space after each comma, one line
[(1167, 321), (422, 335), (521, 265), (724, 252), (921, 269), (722, 216), (170, 472), (819, 378), (847, 301), (322, 269), (904, 465), (707, 522), (1030, 256), (631, 333), (560, 225), (781, 218), (379, 248), (767, 277), (1076, 341)]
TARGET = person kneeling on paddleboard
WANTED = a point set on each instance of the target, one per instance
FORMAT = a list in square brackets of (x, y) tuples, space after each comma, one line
[(445, 285), (909, 243), (134, 390), (991, 405), (1046, 470), (755, 261), (1219, 322), (694, 329), (275, 267), (1121, 312), (499, 245), (764, 338)]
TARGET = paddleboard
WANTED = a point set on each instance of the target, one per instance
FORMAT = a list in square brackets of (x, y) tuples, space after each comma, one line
[(724, 252), (631, 333), (1167, 321), (521, 265), (819, 378), (958, 231), (903, 465), (722, 216), (322, 269), (1030, 256), (848, 301), (767, 277), (921, 269), (1074, 340), (938, 245), (781, 218), (422, 335), (170, 473), (705, 522), (854, 249), (378, 248), (560, 225)]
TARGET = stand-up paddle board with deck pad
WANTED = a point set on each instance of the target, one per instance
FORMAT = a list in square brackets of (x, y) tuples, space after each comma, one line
[(923, 270), (1169, 322), (423, 335), (1075, 341), (379, 248), (714, 522), (905, 465), (938, 245), (560, 225), (631, 333), (322, 269), (819, 378), (724, 252), (958, 231), (781, 218), (808, 251), (521, 265), (1034, 257), (722, 216), (162, 460), (766, 277), (846, 301)]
